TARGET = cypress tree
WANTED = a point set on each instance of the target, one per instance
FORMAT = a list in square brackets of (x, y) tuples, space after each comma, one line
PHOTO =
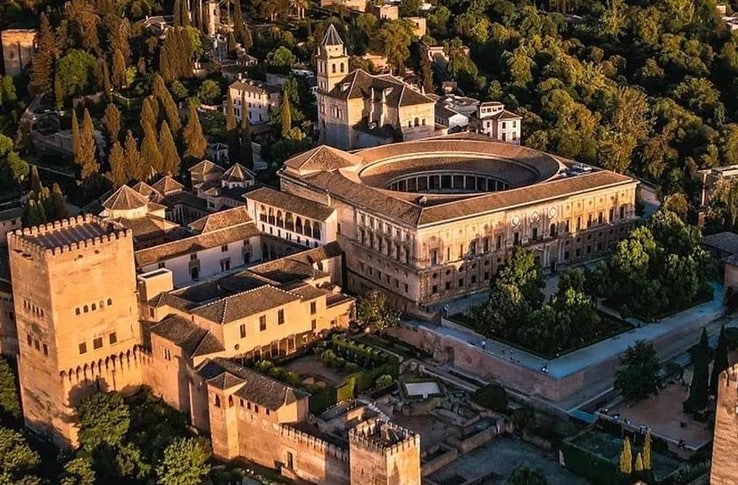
[(626, 458), (149, 113), (134, 165), (194, 140), (232, 134), (119, 78), (185, 14), (85, 152), (638, 467), (165, 64), (425, 73), (231, 45), (44, 198), (75, 136), (117, 161), (647, 463), (111, 122), (42, 66), (104, 80), (699, 388), (169, 150), (247, 40), (164, 97), (286, 114), (58, 93), (246, 156), (721, 361), (59, 203), (150, 153), (33, 214), (35, 180), (239, 26)]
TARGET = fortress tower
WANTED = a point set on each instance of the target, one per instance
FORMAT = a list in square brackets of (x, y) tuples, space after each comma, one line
[(74, 288), (382, 453), (725, 446)]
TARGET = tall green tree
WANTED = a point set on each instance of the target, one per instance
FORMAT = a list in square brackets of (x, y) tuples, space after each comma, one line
[(286, 113), (17, 460), (168, 150), (150, 152), (194, 139), (135, 168), (162, 94), (699, 388), (119, 78), (637, 376), (117, 161), (232, 132), (78, 471), (111, 122), (104, 420), (42, 66), (377, 312), (647, 459), (185, 462), (626, 458), (58, 202), (85, 149), (721, 361), (13, 169)]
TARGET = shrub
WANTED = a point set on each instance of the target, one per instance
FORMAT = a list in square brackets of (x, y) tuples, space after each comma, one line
[(352, 367), (328, 356), (491, 396), (524, 419), (383, 381)]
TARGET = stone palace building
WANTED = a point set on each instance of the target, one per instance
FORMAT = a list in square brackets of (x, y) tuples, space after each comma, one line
[(141, 294)]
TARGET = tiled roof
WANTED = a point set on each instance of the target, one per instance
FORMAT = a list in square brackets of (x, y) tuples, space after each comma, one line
[(252, 86), (166, 185), (221, 220), (241, 305), (186, 198), (291, 203), (256, 388), (199, 242), (331, 36), (284, 270), (237, 173), (444, 112), (181, 332), (144, 189), (146, 229), (359, 84), (205, 167), (323, 157), (125, 198), (311, 256)]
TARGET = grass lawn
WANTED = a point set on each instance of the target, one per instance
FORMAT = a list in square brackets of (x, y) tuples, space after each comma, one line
[(609, 327)]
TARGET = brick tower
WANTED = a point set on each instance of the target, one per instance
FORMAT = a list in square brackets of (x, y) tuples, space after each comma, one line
[(74, 288), (382, 453), (725, 446)]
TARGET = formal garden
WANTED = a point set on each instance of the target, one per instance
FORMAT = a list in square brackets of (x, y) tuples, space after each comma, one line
[(334, 370), (658, 270)]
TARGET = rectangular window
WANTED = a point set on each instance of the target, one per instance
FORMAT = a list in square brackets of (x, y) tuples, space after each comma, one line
[(46, 349), (162, 265), (113, 338), (262, 323), (448, 285), (435, 289), (461, 282), (224, 248), (280, 317), (498, 242), (516, 239), (83, 348), (97, 342), (622, 212), (535, 233), (29, 339), (193, 257), (434, 256), (242, 330), (167, 354), (313, 307), (313, 324)]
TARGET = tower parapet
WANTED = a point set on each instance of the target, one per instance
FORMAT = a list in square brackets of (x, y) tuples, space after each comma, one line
[(725, 447), (385, 452)]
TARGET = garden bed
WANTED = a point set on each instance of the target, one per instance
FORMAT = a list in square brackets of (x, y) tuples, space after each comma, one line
[(609, 327)]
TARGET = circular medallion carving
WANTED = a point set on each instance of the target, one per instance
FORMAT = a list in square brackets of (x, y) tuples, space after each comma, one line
[(515, 220), (535, 216), (552, 212)]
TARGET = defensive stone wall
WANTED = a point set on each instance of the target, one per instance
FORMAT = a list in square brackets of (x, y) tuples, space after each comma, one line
[(725, 447)]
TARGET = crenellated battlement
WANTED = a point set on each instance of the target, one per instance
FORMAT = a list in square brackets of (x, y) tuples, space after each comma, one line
[(67, 235), (301, 438), (383, 437)]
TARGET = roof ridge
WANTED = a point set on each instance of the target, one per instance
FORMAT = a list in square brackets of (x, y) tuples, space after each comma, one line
[(158, 246)]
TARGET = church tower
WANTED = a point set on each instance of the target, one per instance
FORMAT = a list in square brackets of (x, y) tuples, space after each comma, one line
[(725, 445), (74, 289), (333, 61)]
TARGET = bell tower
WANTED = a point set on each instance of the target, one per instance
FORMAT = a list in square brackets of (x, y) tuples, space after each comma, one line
[(333, 61)]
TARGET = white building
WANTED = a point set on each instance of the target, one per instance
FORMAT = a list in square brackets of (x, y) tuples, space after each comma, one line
[(218, 242), (293, 218), (495, 121), (261, 100)]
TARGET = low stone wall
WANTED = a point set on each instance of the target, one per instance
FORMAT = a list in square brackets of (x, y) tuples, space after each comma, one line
[(431, 466), (472, 442)]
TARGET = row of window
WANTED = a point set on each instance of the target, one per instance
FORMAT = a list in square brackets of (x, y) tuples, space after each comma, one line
[(33, 308), (241, 403), (97, 342), (372, 223), (396, 251), (298, 225), (93, 307), (32, 342)]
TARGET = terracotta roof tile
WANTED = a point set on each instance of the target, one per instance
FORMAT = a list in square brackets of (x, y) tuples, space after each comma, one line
[(323, 157), (237, 173), (181, 332), (241, 305), (167, 185), (221, 220), (292, 203), (125, 198)]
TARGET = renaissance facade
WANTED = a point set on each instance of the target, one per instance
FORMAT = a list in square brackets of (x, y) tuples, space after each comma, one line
[(431, 220)]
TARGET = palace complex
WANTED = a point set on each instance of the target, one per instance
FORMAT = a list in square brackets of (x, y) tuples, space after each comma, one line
[(181, 289)]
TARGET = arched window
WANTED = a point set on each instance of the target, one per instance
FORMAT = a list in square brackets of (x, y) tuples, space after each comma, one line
[(86, 309), (333, 66), (110, 301), (298, 224), (94, 307), (217, 401), (316, 231), (417, 122), (307, 229), (230, 401), (271, 216), (423, 121), (76, 311), (280, 221), (342, 67), (102, 304)]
